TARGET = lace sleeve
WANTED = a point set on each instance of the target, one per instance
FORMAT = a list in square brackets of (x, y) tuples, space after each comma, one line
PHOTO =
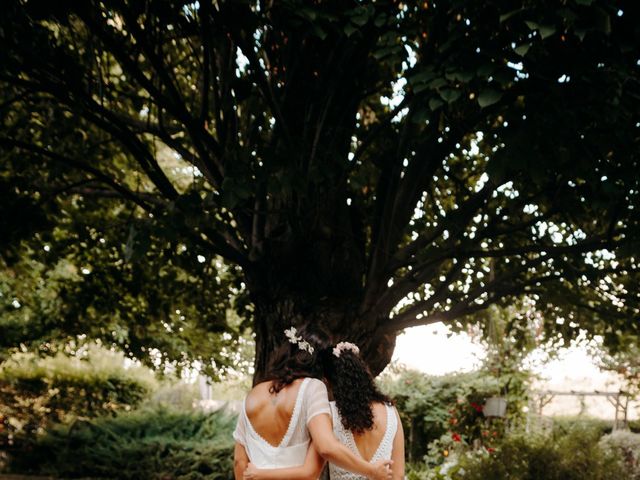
[(240, 433), (316, 399)]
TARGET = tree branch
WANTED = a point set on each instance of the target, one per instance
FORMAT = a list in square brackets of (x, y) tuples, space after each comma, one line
[(97, 174)]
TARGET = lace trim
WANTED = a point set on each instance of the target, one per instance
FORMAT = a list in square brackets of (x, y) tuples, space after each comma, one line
[(384, 449), (387, 438), (292, 421), (386, 444)]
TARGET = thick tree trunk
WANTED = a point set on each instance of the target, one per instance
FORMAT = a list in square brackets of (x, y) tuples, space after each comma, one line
[(314, 276), (335, 318)]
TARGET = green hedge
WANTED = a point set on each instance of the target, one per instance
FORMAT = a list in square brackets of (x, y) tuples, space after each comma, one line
[(36, 391), (149, 444), (564, 424)]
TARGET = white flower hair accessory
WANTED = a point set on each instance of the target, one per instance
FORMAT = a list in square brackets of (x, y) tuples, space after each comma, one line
[(292, 334), (342, 346)]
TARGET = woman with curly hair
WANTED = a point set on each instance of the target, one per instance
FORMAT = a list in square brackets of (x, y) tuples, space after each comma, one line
[(364, 419), (285, 423)]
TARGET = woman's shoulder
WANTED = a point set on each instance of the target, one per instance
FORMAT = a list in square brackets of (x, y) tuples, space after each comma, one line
[(315, 385), (314, 381)]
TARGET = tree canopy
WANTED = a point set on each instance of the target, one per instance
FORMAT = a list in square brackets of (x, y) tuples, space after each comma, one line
[(365, 165)]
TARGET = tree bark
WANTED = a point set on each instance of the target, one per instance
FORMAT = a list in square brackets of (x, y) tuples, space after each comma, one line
[(335, 317)]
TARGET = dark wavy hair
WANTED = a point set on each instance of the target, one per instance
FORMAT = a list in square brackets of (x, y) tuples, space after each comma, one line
[(289, 362), (354, 389)]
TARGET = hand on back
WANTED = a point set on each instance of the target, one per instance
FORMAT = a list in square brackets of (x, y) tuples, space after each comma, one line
[(382, 470)]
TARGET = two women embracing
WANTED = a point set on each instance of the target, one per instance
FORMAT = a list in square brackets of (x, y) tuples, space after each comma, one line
[(288, 428)]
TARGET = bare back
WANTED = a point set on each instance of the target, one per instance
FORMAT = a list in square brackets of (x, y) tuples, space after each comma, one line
[(369, 441), (383, 442), (270, 413)]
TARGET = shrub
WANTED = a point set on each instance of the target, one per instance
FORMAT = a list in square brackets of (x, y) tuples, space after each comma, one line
[(564, 424), (574, 456), (148, 444), (626, 445), (35, 391), (434, 407)]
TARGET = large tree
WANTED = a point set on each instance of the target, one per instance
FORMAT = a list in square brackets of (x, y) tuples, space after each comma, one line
[(365, 165)]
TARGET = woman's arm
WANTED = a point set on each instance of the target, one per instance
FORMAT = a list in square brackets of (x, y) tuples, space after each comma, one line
[(328, 446), (311, 469), (397, 454), (240, 461)]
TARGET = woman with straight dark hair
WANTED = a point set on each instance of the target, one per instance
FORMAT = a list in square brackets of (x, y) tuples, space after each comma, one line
[(285, 422)]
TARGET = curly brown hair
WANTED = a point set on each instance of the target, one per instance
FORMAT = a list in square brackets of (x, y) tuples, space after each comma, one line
[(354, 389)]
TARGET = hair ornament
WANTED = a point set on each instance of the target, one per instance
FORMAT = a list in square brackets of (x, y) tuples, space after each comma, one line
[(292, 334), (342, 346)]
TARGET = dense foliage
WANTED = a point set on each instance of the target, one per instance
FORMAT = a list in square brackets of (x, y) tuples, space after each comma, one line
[(36, 392), (148, 444), (627, 446), (443, 413), (579, 454), (367, 165)]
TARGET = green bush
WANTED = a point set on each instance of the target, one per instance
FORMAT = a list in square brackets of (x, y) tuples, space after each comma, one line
[(442, 408), (626, 445), (35, 391), (576, 455), (564, 424), (149, 444)]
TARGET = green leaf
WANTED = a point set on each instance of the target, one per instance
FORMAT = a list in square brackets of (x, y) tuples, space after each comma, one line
[(547, 31), (421, 87), (437, 83), (506, 16), (532, 25), (450, 95), (458, 75), (319, 32), (380, 20), (307, 13), (522, 49), (360, 20), (422, 76), (349, 29), (489, 97), (435, 103), (486, 69)]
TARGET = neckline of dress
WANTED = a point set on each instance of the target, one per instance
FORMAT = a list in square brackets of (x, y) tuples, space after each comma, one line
[(387, 429), (292, 420)]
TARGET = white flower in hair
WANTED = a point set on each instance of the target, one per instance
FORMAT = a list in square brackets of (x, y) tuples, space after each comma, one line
[(342, 346), (304, 345), (292, 335)]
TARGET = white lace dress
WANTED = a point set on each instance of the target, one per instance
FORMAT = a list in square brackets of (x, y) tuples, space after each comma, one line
[(383, 451), (311, 400)]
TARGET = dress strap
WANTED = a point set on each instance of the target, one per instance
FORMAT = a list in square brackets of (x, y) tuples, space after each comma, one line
[(295, 414)]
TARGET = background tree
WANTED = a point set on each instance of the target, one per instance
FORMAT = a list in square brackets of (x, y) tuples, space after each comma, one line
[(368, 166)]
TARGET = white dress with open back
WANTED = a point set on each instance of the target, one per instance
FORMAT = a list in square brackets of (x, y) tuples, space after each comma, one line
[(311, 400), (345, 436)]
